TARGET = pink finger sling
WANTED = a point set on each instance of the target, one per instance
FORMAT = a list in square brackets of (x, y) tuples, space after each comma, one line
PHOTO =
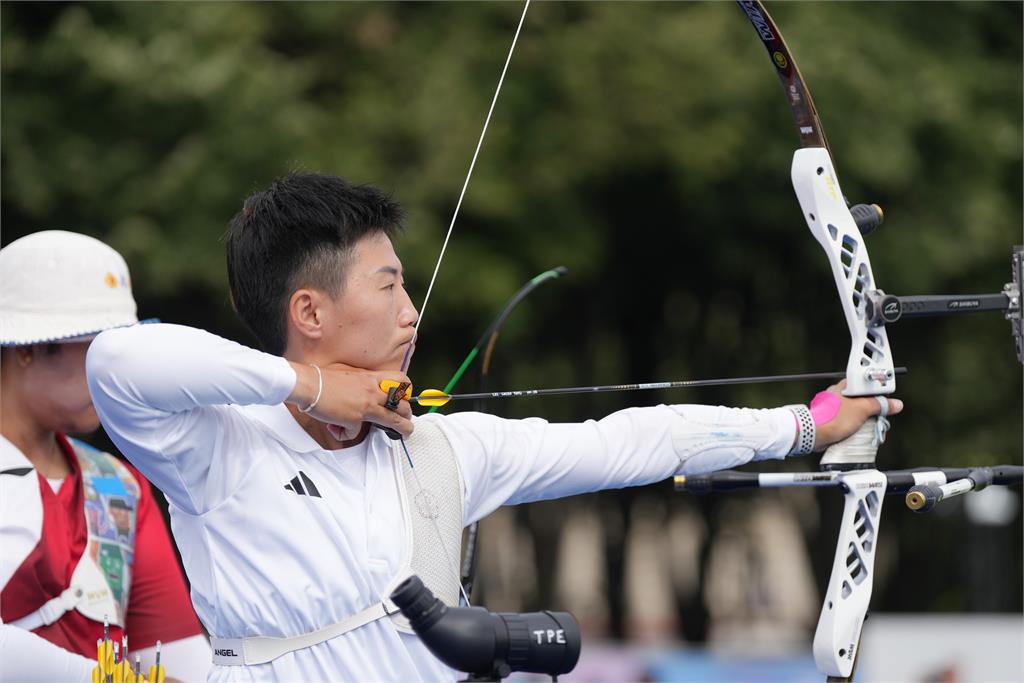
[(824, 407)]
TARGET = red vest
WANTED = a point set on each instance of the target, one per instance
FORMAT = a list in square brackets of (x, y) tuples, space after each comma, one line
[(88, 534)]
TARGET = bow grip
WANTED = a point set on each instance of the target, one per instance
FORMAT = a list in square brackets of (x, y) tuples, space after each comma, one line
[(857, 451)]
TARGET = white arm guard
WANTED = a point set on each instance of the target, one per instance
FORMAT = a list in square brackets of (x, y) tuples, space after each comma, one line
[(709, 438)]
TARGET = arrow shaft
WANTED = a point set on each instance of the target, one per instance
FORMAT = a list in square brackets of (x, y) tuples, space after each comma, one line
[(646, 386)]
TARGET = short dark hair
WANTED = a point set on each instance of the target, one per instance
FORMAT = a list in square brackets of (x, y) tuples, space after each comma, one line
[(299, 232)]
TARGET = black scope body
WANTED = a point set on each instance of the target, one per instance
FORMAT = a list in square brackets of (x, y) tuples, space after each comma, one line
[(490, 645)]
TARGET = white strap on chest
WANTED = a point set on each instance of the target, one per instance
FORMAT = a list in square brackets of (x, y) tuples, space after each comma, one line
[(52, 610), (263, 649), (89, 593)]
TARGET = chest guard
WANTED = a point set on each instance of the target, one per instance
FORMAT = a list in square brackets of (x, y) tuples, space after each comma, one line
[(430, 489), (101, 581)]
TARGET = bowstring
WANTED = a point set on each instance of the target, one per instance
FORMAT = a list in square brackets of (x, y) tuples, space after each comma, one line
[(437, 268), (469, 174)]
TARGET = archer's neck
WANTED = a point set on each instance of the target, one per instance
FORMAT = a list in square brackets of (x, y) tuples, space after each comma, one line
[(37, 443), (318, 431)]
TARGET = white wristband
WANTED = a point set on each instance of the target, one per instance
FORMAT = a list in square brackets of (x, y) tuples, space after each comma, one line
[(805, 430)]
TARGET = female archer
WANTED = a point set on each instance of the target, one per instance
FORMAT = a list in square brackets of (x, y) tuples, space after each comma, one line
[(82, 542)]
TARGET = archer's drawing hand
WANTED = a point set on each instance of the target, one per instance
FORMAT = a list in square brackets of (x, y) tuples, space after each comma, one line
[(350, 397), (836, 417)]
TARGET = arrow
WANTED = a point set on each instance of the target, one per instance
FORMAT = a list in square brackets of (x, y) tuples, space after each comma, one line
[(436, 397)]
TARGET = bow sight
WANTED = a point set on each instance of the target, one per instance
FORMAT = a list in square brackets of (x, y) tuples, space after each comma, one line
[(883, 309)]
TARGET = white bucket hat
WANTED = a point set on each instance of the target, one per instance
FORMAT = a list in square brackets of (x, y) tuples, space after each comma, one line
[(61, 286)]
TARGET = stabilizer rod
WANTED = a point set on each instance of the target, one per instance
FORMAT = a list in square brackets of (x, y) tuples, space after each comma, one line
[(897, 481)]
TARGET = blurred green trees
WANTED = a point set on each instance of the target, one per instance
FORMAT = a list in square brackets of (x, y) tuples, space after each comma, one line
[(646, 146)]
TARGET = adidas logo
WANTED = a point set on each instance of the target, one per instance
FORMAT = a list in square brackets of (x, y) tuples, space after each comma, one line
[(302, 485)]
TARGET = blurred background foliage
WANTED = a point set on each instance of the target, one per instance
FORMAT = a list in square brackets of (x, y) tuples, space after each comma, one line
[(645, 146)]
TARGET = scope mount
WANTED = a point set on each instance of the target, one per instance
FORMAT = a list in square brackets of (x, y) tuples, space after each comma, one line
[(885, 309)]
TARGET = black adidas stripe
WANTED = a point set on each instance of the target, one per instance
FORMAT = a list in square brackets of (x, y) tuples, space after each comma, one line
[(310, 486), (17, 471)]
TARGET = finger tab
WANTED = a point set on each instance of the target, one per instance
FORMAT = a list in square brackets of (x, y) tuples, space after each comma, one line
[(393, 388), (397, 393)]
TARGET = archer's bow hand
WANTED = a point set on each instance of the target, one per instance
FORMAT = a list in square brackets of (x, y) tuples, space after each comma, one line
[(344, 397), (836, 417)]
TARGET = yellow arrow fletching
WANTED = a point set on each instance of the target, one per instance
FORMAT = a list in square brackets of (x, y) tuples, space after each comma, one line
[(389, 384), (105, 657), (432, 397)]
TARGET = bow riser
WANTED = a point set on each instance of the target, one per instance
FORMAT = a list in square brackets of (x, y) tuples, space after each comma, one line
[(869, 369), (837, 638)]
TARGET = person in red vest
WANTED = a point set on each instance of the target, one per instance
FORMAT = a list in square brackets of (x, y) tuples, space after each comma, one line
[(82, 540)]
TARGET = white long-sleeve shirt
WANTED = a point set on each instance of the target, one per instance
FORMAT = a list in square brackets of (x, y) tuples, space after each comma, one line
[(203, 418)]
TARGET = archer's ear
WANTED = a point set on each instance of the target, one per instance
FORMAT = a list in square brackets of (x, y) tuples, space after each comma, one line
[(305, 313)]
